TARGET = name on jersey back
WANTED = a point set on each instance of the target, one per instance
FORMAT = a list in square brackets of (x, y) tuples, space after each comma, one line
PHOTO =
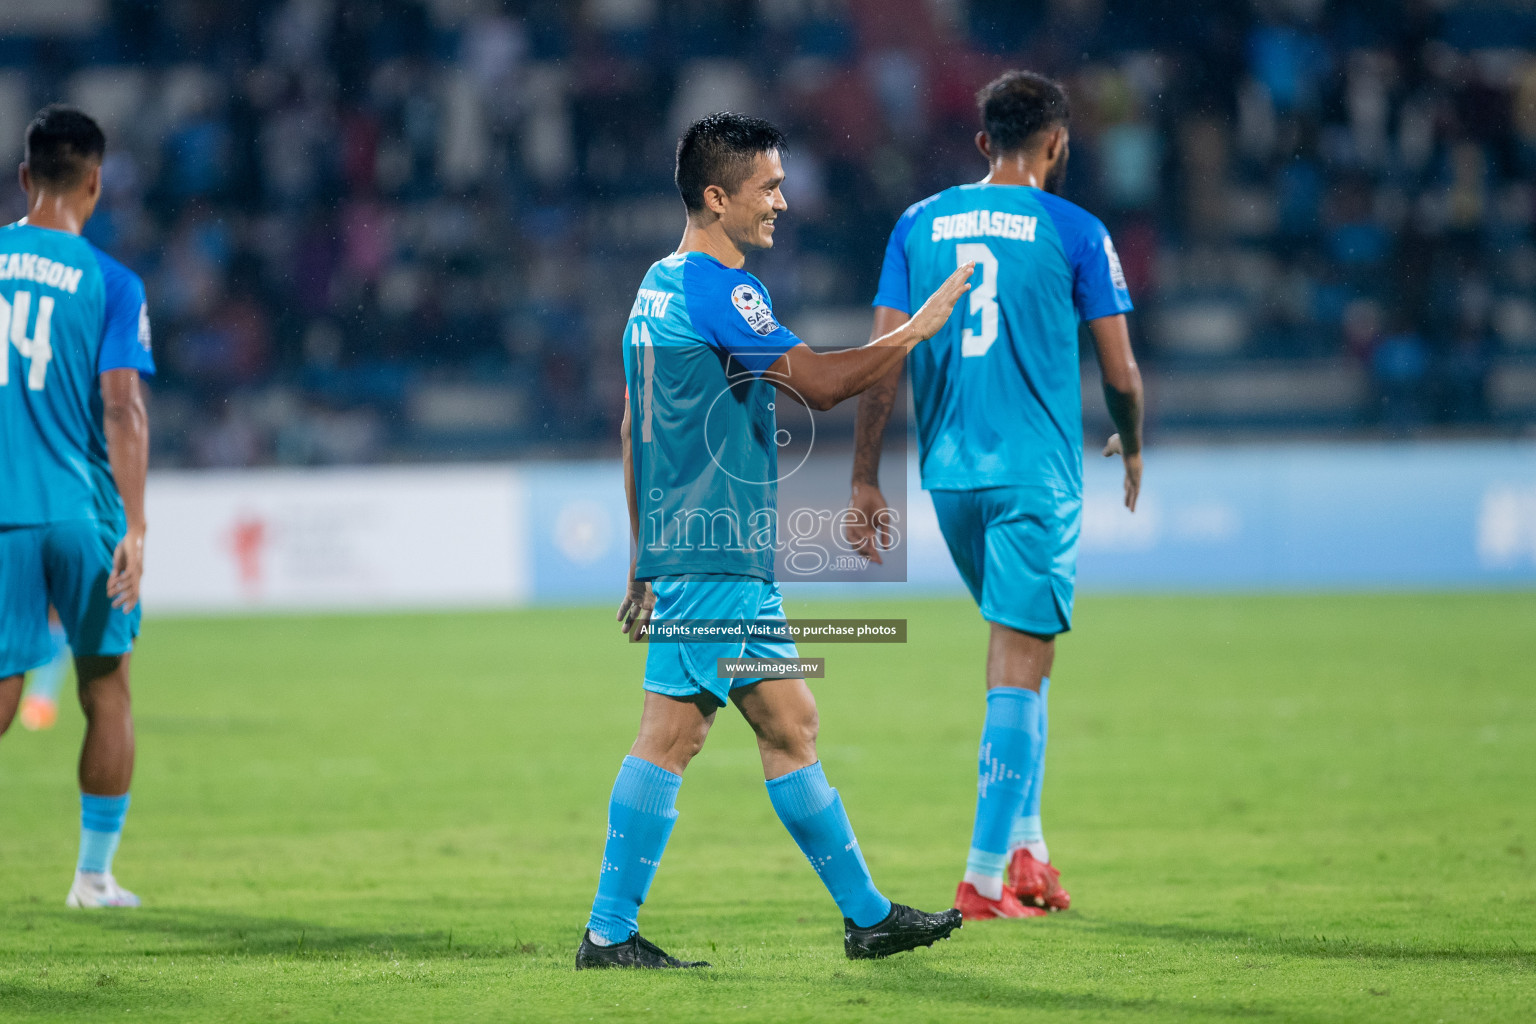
[(651, 303), (985, 224), (26, 266)]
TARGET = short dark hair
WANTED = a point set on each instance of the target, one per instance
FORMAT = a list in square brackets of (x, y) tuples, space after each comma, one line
[(720, 150), (62, 144), (1018, 105)]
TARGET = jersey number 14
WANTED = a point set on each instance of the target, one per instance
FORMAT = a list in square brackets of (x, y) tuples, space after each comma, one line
[(13, 331), (983, 297)]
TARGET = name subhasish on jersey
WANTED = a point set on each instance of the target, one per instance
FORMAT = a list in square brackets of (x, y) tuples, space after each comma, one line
[(985, 224), (27, 266)]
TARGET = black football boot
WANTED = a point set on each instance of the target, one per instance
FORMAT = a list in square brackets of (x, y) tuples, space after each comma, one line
[(632, 952), (902, 929)]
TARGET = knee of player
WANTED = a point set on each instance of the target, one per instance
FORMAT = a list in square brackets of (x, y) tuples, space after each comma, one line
[(685, 745), (103, 686), (689, 746), (810, 726), (793, 733)]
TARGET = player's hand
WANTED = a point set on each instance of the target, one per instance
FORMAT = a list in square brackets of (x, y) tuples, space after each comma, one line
[(1132, 469), (127, 569), (927, 321), (869, 531), (635, 609)]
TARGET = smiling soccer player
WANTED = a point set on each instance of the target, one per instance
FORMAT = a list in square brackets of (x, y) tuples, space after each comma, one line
[(703, 356)]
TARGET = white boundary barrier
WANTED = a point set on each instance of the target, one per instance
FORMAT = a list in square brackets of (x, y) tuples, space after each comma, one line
[(1249, 518), (336, 539)]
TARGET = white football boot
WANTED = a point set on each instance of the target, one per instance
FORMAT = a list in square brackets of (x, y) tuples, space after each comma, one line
[(98, 889)]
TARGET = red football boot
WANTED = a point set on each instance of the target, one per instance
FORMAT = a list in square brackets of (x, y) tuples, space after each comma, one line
[(1034, 884), (38, 713), (973, 906)]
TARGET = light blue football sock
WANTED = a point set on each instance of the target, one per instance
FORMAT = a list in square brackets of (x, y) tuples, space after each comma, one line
[(1027, 830), (814, 815), (641, 813), (49, 680), (1010, 741), (101, 827)]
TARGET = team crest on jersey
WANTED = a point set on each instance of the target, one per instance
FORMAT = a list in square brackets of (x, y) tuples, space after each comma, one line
[(144, 326), (753, 309), (1116, 273)]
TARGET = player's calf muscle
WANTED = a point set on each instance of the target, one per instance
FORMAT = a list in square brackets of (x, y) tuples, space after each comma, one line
[(795, 738), (672, 732), (1016, 658), (786, 729), (783, 715)]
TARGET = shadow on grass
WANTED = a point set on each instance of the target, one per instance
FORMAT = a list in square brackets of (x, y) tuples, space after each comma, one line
[(221, 933), (1317, 946), (919, 982), (215, 932), (91, 966)]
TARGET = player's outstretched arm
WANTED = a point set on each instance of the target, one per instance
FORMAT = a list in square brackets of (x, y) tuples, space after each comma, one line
[(126, 423), (1123, 395), (820, 380), (867, 532)]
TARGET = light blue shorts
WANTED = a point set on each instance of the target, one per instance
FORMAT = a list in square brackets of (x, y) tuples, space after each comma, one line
[(65, 564), (689, 669), (1016, 549)]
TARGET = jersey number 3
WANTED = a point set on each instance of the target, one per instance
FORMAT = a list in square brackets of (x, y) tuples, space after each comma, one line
[(13, 331), (983, 297)]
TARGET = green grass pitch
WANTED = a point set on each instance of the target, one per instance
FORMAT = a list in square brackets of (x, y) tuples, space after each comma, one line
[(1276, 809)]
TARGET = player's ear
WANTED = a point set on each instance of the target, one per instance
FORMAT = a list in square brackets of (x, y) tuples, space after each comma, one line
[(1055, 142), (24, 175), (93, 183), (985, 145), (714, 199)]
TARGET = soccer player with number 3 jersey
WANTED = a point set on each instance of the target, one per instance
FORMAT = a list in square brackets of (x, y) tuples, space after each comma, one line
[(999, 420), (74, 341)]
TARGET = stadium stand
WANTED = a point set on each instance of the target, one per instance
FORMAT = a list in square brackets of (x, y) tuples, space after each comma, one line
[(404, 230)]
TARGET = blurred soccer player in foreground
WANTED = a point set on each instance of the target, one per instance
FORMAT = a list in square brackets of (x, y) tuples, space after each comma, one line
[(74, 340), (40, 698), (999, 419), (703, 355)]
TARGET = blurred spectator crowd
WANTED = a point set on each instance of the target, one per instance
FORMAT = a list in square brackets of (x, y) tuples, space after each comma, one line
[(408, 229)]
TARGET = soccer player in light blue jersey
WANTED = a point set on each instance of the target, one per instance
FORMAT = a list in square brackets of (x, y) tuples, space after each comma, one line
[(999, 421), (705, 361), (74, 341)]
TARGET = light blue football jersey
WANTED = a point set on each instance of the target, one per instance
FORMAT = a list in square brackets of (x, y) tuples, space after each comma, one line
[(702, 423), (998, 390), (68, 313)]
